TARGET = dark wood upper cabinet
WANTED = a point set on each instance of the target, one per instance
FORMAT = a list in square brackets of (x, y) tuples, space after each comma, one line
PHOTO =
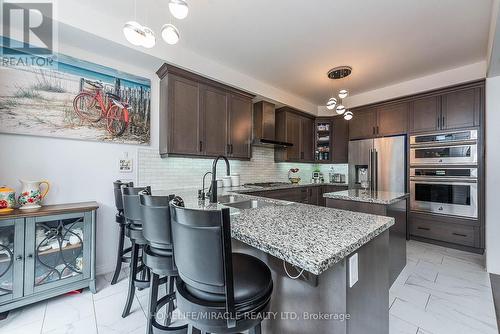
[(392, 119), (292, 135), (363, 124), (461, 109), (307, 133), (454, 109), (184, 120), (240, 127), (214, 103), (424, 114), (294, 127), (340, 133), (202, 117)]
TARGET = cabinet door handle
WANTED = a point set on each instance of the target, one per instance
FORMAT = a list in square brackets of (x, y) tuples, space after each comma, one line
[(228, 148), (30, 256), (201, 146), (19, 258), (377, 130), (423, 228), (443, 122), (439, 122), (231, 148), (459, 234), (373, 131)]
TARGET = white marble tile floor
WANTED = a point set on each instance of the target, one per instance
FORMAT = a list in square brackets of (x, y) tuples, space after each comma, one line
[(440, 291)]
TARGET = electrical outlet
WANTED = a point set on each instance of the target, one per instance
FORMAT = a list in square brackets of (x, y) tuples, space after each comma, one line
[(353, 270)]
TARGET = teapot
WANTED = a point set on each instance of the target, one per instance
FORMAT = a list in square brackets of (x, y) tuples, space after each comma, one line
[(7, 199), (31, 194)]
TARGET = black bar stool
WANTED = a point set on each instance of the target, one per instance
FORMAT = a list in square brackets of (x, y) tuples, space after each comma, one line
[(159, 258), (122, 255), (235, 288), (133, 230)]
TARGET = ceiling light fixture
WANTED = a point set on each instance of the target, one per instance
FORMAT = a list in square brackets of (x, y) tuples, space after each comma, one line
[(336, 74), (139, 35), (332, 102), (340, 109), (178, 8), (348, 115), (170, 34), (149, 38), (134, 33), (343, 93)]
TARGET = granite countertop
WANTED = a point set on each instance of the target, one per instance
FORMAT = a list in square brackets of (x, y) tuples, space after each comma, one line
[(310, 237), (250, 188), (367, 196)]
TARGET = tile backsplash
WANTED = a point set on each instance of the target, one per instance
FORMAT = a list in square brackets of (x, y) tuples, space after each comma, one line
[(173, 173)]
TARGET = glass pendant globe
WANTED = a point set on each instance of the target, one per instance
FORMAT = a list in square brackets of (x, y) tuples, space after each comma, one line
[(170, 34), (348, 115), (149, 38), (178, 8), (340, 109), (332, 102), (134, 33), (343, 93)]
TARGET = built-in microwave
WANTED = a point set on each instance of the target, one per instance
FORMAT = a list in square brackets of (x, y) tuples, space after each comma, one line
[(460, 154), (447, 191), (444, 138)]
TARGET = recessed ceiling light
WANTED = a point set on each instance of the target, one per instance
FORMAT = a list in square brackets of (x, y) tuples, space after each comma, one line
[(170, 34), (178, 8)]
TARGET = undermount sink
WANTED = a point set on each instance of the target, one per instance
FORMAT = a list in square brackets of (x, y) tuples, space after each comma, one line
[(227, 199), (248, 204)]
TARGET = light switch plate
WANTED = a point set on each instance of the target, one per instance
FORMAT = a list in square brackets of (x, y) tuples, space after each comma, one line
[(353, 270)]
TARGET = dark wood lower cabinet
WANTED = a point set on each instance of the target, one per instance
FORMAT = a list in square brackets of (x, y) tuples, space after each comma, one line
[(308, 195), (447, 231)]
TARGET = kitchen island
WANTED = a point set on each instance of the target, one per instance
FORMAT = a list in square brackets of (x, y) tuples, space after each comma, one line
[(384, 203), (311, 250)]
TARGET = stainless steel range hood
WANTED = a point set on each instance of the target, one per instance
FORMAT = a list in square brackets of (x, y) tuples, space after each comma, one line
[(264, 133)]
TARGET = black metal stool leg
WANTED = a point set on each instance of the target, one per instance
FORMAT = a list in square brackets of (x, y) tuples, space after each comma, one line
[(256, 330), (131, 279), (153, 298), (170, 307), (119, 255)]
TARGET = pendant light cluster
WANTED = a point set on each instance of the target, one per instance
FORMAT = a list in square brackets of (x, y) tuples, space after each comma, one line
[(139, 35), (336, 74)]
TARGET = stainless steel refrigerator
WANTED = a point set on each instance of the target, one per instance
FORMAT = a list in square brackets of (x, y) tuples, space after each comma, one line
[(380, 161)]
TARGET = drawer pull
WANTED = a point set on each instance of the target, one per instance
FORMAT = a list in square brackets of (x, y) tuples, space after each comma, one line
[(423, 228), (459, 234)]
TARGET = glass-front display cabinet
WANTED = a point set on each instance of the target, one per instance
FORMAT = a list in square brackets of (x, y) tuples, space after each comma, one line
[(46, 253)]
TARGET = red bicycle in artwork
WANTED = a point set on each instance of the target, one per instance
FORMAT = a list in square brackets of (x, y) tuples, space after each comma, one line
[(90, 106)]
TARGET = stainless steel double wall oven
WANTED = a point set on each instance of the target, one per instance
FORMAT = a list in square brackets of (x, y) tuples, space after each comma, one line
[(444, 173)]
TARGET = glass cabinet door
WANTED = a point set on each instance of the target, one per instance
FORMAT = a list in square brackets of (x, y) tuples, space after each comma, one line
[(58, 250), (11, 259)]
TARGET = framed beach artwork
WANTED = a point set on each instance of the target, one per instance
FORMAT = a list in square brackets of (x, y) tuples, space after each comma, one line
[(75, 99)]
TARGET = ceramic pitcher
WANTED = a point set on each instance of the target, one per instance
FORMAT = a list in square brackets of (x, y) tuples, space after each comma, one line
[(31, 194)]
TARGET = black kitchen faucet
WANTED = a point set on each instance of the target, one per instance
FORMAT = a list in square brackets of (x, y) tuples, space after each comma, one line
[(213, 192)]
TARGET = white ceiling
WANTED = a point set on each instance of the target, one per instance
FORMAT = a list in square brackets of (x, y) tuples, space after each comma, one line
[(291, 44)]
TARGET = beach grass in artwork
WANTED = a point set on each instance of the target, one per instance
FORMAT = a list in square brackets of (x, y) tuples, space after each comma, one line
[(40, 101)]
